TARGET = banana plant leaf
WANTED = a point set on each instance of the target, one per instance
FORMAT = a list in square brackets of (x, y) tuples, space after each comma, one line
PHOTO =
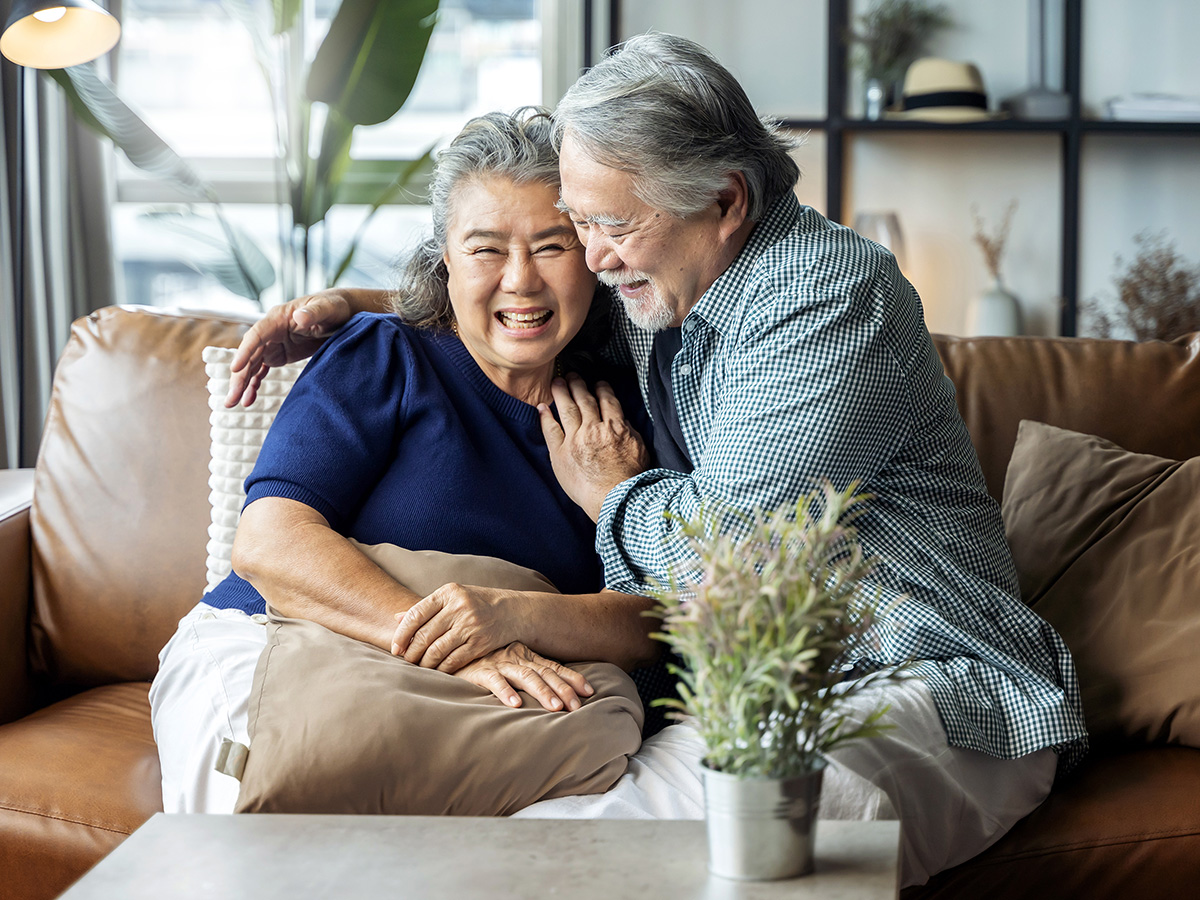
[(393, 190), (367, 64), (363, 71), (230, 256), (95, 101)]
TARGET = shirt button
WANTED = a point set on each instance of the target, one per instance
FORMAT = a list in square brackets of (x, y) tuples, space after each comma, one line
[(685, 369), (688, 326)]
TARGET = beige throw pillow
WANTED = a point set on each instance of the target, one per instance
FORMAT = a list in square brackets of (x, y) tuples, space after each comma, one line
[(341, 726), (1107, 548)]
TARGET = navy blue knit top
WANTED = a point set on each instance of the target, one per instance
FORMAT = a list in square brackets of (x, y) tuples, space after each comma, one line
[(395, 435)]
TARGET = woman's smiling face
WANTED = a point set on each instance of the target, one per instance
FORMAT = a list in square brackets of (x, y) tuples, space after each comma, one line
[(518, 281)]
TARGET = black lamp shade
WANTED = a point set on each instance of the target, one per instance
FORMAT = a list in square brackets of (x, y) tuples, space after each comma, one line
[(84, 31)]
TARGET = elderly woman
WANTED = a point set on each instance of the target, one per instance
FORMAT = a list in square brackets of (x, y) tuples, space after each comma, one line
[(421, 429)]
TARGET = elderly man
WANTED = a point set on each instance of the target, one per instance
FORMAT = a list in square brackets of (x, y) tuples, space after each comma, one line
[(776, 348)]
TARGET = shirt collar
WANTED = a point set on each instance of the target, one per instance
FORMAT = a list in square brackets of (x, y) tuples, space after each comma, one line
[(718, 306)]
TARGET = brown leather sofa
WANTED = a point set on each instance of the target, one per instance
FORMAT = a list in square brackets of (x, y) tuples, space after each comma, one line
[(97, 571)]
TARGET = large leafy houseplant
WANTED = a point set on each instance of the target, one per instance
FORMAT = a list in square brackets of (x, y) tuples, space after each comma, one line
[(361, 74), (762, 636)]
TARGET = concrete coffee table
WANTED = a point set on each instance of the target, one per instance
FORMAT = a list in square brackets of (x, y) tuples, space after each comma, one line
[(295, 857)]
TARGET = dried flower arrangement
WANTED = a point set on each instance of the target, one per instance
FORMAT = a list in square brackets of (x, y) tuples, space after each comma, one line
[(762, 634), (1158, 294), (992, 244), (892, 34)]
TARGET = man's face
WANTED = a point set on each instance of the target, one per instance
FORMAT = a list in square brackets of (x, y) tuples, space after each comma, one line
[(660, 264)]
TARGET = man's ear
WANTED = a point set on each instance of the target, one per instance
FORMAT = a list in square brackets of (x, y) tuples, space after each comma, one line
[(733, 204)]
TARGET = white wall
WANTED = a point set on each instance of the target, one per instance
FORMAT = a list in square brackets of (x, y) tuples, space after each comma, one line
[(777, 49)]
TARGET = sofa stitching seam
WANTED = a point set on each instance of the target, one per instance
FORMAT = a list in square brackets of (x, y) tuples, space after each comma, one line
[(45, 815)]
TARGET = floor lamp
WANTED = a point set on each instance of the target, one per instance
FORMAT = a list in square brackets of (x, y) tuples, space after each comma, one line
[(45, 34)]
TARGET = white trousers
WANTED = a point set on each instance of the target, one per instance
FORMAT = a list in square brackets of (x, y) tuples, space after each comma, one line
[(952, 803)]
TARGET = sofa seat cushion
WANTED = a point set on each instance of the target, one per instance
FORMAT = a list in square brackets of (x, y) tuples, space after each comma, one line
[(1122, 826), (75, 779)]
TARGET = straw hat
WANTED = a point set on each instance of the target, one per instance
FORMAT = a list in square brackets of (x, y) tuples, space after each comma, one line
[(944, 90)]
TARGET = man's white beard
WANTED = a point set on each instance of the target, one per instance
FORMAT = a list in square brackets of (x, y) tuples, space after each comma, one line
[(647, 312)]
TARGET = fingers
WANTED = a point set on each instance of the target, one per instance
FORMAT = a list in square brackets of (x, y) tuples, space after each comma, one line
[(610, 406), (568, 410), (551, 430), (498, 685), (588, 407), (320, 314), (409, 623)]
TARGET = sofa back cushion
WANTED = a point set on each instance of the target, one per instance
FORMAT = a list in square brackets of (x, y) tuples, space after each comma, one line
[(1144, 397), (120, 508)]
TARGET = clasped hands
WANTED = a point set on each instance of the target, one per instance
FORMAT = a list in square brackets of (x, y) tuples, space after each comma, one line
[(470, 631)]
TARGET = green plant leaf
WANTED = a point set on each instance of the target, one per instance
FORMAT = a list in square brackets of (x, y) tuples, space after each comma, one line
[(390, 193), (231, 256), (367, 64), (286, 12), (95, 102)]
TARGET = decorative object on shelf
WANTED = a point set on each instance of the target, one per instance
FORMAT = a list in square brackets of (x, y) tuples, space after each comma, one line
[(1158, 294), (1153, 108), (944, 90), (890, 36), (996, 311), (1041, 101), (779, 601), (884, 229)]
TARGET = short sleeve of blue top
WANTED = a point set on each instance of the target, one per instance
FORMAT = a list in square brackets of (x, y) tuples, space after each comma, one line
[(395, 435)]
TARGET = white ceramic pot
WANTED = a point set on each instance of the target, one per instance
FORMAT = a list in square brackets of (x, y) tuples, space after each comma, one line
[(761, 828), (994, 312)]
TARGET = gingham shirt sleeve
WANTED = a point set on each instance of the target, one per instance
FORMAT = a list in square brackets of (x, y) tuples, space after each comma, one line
[(811, 390)]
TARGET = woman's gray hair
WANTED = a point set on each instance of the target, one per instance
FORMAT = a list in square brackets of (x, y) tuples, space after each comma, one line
[(665, 110), (517, 147)]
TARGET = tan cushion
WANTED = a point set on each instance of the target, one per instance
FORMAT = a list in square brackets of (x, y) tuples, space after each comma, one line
[(1143, 395), (341, 726), (1107, 547)]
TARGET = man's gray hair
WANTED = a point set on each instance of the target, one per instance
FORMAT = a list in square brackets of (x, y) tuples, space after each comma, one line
[(665, 110), (517, 147)]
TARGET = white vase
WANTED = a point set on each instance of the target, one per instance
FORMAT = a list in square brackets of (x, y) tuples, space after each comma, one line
[(761, 828), (994, 312)]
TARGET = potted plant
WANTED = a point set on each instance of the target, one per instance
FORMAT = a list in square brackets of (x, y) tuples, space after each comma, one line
[(889, 37), (761, 638), (360, 74)]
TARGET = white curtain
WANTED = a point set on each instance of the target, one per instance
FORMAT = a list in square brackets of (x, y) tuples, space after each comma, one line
[(57, 212)]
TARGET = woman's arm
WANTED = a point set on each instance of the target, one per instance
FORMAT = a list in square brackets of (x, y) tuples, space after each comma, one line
[(454, 624), (306, 570), (293, 331)]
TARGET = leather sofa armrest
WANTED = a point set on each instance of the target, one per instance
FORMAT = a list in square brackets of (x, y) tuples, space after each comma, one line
[(16, 495)]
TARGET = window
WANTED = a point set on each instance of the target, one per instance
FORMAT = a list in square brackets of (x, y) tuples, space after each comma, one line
[(190, 70)]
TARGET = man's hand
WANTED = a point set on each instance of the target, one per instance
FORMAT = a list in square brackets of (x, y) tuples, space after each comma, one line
[(593, 449), (456, 625), (289, 332), (554, 685)]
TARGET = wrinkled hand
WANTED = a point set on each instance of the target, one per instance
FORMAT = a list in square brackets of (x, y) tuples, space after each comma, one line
[(285, 334), (594, 448), (516, 667), (456, 625)]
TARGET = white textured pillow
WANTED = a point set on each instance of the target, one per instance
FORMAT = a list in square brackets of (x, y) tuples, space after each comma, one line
[(237, 435)]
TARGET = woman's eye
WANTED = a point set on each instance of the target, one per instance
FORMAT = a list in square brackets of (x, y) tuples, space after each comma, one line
[(484, 250)]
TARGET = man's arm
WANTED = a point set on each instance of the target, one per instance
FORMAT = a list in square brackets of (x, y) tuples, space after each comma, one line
[(293, 331), (812, 391)]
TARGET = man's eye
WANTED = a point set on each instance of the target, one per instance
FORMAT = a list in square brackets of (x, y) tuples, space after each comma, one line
[(550, 248)]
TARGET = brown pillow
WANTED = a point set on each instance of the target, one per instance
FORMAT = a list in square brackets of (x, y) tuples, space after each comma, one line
[(1107, 548), (341, 726)]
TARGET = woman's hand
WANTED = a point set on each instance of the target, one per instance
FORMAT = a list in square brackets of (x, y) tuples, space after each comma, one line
[(516, 667), (287, 333), (458, 624)]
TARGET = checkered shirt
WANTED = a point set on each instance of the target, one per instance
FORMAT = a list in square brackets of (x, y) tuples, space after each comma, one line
[(809, 358)]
